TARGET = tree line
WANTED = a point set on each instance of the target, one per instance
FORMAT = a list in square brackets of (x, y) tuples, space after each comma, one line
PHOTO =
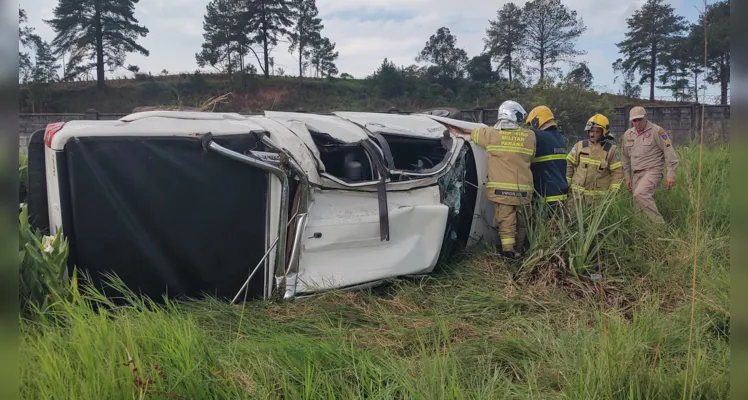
[(232, 29), (533, 40), (662, 47), (98, 35)]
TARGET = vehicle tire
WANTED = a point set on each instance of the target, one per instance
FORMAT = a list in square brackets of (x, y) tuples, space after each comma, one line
[(36, 189)]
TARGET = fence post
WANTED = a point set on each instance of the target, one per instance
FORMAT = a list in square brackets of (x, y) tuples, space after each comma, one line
[(91, 114), (694, 122)]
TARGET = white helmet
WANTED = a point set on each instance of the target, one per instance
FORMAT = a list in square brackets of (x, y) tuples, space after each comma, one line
[(511, 115)]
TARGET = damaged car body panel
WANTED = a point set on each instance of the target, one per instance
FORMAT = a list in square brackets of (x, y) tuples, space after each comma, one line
[(329, 201)]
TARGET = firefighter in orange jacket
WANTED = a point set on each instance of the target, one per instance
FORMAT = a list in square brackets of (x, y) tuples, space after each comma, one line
[(511, 149), (594, 166)]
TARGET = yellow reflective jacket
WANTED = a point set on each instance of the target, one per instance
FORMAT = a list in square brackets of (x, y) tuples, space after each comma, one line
[(594, 168), (510, 153)]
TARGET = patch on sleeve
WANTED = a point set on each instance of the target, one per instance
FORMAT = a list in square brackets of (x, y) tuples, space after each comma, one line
[(574, 150), (665, 137), (618, 158)]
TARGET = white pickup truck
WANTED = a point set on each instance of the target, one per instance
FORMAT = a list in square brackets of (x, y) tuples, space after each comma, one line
[(263, 206)]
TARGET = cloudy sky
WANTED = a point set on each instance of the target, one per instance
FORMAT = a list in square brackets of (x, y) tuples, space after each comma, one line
[(365, 32)]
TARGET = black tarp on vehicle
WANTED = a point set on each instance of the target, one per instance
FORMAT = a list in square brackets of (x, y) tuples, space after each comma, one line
[(164, 214)]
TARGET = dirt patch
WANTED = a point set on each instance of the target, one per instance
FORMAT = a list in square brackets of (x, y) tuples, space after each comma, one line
[(262, 99)]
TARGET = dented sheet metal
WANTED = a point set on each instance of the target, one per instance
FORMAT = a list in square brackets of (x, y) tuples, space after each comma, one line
[(456, 122), (296, 127), (413, 125), (161, 126), (338, 128), (294, 142), (342, 243)]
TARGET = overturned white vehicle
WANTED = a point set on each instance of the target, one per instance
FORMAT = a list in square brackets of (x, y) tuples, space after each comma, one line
[(280, 205)]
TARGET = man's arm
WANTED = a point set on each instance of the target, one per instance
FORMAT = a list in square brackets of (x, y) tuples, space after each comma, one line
[(615, 165), (671, 158), (480, 136), (460, 131), (626, 160), (625, 157), (572, 162)]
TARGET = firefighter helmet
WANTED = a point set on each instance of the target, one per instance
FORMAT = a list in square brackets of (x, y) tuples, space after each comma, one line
[(539, 116), (511, 111), (598, 120)]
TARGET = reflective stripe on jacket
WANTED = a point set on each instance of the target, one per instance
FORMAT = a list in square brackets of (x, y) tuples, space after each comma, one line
[(510, 153), (549, 165), (594, 168)]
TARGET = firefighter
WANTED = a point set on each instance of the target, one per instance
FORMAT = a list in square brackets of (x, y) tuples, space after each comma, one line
[(510, 151), (593, 165), (549, 165), (646, 150)]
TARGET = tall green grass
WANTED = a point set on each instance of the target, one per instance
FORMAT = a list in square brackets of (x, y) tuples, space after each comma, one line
[(42, 268), (476, 329)]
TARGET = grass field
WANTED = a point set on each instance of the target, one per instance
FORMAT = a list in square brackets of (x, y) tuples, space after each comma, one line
[(476, 329)]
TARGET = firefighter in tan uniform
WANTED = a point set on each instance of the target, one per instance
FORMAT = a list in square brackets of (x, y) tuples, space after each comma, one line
[(593, 165), (510, 149), (646, 151)]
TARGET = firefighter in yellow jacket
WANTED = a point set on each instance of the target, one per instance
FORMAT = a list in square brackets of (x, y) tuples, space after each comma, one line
[(594, 166), (510, 149)]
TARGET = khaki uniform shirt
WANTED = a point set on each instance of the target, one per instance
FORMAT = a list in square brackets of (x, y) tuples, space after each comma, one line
[(650, 149), (592, 170), (510, 153)]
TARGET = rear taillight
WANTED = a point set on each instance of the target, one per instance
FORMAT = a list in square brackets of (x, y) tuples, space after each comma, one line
[(49, 133)]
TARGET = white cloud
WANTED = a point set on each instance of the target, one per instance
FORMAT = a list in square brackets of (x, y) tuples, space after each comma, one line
[(364, 32)]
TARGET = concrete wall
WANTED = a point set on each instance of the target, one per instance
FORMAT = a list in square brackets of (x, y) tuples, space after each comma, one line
[(30, 123), (682, 123)]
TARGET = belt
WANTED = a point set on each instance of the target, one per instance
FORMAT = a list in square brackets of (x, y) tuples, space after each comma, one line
[(640, 170)]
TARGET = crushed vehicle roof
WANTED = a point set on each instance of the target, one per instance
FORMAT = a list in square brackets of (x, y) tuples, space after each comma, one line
[(415, 125), (342, 126)]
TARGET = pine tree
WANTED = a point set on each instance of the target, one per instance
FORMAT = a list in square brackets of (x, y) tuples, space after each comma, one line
[(441, 50), (388, 80), (552, 30), (680, 64), (653, 30), (718, 49), (266, 20), (307, 30), (100, 30), (506, 38), (221, 36), (581, 76), (628, 87), (323, 58), (25, 40), (45, 67)]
